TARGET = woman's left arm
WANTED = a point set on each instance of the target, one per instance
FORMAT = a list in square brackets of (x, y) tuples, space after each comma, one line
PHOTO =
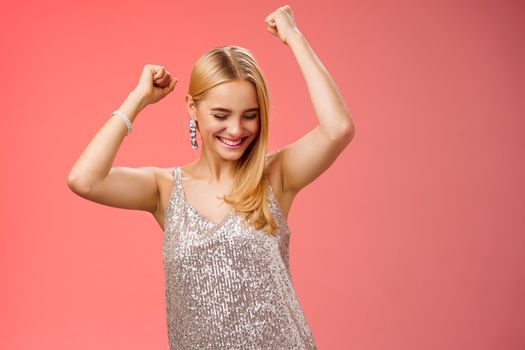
[(304, 160)]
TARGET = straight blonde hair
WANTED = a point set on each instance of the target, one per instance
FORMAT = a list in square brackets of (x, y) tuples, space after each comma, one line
[(248, 195)]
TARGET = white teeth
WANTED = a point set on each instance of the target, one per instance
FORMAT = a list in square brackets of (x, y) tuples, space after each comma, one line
[(229, 142)]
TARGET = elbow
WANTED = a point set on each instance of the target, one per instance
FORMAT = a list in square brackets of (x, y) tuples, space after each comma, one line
[(345, 133), (349, 131), (76, 185)]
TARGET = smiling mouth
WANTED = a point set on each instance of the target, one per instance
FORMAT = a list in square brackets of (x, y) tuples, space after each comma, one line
[(232, 144)]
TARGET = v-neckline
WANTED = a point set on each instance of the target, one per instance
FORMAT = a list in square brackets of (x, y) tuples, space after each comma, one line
[(194, 210)]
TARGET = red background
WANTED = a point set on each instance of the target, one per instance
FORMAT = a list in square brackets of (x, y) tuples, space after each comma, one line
[(413, 239)]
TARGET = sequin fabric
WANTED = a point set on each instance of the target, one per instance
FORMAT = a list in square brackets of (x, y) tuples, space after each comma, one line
[(228, 285)]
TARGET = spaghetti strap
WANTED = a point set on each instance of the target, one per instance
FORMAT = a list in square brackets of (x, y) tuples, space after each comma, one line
[(176, 178)]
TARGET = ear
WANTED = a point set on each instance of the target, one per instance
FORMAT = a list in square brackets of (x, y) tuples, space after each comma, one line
[(191, 106), (192, 110)]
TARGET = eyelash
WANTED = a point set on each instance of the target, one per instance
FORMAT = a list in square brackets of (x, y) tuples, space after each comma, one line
[(222, 116)]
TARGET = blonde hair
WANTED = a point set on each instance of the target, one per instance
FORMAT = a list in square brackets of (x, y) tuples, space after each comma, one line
[(248, 195)]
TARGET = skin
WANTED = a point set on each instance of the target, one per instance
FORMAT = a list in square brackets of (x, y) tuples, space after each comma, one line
[(210, 177), (239, 96), (291, 168)]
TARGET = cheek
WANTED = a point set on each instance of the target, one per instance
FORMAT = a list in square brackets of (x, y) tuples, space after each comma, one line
[(254, 127), (212, 128)]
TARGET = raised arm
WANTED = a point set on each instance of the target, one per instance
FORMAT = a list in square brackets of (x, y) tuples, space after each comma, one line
[(94, 178), (304, 160)]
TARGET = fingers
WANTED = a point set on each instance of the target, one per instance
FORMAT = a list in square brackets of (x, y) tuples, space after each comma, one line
[(270, 19), (286, 9), (272, 30), (160, 71), (283, 13), (171, 85), (166, 81), (155, 71), (163, 78)]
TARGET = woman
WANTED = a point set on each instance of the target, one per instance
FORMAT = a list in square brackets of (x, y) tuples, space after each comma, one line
[(224, 216)]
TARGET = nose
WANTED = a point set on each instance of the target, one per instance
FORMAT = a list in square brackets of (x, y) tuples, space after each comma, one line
[(235, 128)]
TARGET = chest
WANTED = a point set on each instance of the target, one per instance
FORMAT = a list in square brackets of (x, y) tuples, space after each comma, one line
[(207, 200)]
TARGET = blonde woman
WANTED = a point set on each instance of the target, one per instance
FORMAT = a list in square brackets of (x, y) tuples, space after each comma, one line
[(224, 216)]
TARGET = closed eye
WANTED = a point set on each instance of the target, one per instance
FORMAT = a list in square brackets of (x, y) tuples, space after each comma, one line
[(222, 116)]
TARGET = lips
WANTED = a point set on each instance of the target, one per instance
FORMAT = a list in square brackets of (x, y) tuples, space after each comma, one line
[(231, 143)]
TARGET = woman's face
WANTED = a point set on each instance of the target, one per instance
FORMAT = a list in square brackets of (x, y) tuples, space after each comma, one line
[(229, 114)]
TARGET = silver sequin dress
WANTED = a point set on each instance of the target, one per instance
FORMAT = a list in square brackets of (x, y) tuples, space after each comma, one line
[(228, 286)]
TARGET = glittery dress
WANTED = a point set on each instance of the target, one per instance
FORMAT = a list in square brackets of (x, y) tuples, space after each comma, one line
[(228, 285)]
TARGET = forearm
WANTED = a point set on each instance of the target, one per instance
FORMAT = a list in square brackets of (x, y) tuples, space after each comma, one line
[(330, 108), (96, 160)]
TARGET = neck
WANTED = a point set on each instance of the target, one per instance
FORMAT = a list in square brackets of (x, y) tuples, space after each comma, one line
[(213, 168)]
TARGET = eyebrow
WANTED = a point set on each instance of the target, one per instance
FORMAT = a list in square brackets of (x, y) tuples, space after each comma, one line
[(221, 109)]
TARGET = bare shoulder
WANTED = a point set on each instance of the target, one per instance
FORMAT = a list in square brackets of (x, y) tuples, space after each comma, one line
[(164, 174)]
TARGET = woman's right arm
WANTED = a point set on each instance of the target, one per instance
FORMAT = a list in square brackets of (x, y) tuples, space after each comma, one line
[(93, 177)]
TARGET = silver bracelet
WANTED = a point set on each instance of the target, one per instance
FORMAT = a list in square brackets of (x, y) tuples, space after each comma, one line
[(124, 118)]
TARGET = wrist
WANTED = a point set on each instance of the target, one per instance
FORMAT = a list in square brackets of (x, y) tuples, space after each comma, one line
[(295, 37), (132, 105), (137, 99)]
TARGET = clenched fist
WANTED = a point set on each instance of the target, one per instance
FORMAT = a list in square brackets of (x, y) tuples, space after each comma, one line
[(282, 24), (155, 83)]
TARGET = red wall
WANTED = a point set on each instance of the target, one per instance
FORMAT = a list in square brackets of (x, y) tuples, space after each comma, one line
[(413, 239)]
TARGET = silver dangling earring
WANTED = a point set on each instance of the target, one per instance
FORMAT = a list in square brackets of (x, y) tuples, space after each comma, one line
[(193, 134)]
